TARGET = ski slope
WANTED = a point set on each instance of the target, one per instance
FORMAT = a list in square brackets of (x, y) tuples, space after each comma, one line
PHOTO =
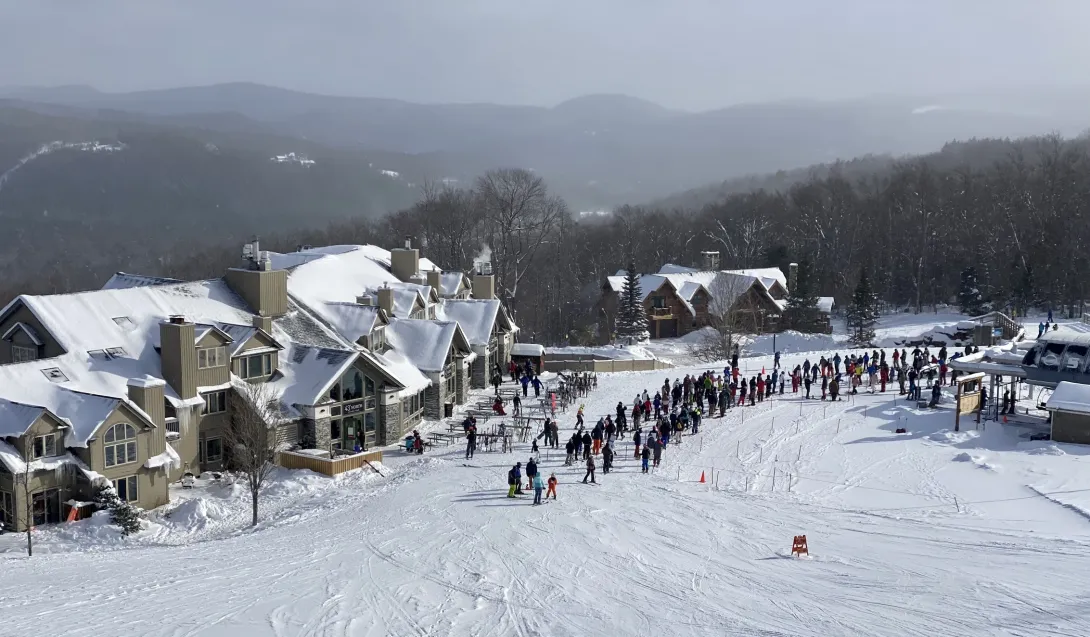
[(927, 533)]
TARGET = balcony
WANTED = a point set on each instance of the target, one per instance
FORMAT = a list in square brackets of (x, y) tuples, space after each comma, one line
[(660, 313)]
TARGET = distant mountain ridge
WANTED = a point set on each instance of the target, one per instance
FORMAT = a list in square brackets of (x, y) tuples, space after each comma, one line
[(601, 150)]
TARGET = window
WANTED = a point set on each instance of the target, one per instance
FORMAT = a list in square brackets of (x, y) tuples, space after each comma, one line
[(352, 385), (378, 339), (659, 301), (1050, 358), (213, 450), (209, 357), (44, 446), (7, 510), (126, 489), (120, 444), (214, 403), (335, 433), (21, 354), (1074, 358), (255, 366)]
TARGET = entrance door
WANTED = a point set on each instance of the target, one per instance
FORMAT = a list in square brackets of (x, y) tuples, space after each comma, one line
[(667, 328), (46, 507)]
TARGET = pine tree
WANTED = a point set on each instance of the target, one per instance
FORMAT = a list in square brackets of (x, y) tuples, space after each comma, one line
[(969, 296), (802, 311), (862, 314), (127, 517), (631, 320), (105, 497)]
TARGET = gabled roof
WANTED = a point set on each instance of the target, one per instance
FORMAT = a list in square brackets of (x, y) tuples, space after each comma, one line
[(31, 333), (426, 343), (308, 375), (452, 282), (16, 417), (352, 320), (476, 317)]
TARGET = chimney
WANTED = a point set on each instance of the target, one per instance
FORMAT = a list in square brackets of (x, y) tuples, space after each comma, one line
[(711, 260), (405, 262), (263, 323), (149, 395), (484, 284), (792, 276), (178, 351), (435, 280), (264, 289), (365, 299), (386, 300)]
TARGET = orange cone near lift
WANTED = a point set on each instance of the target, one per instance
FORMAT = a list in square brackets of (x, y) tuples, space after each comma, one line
[(701, 477)]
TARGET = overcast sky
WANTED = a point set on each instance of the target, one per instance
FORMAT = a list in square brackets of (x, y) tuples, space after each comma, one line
[(692, 54)]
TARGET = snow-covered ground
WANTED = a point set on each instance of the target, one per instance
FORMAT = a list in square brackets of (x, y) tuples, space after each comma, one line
[(932, 532)]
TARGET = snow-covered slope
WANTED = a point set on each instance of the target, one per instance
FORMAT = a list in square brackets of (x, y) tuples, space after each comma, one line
[(927, 533)]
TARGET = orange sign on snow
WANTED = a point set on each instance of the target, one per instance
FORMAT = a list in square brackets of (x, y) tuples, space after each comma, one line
[(798, 547)]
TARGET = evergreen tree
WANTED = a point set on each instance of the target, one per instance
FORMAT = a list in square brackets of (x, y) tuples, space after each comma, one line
[(631, 319), (970, 298), (802, 311), (127, 517), (105, 497), (862, 314)]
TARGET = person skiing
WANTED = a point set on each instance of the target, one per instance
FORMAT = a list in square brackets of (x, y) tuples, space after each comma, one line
[(590, 470), (806, 383), (607, 458), (658, 452), (536, 382), (497, 380), (471, 442), (776, 361), (552, 486), (539, 486), (579, 417), (836, 363), (645, 457), (525, 381), (514, 478), (834, 388), (569, 449), (596, 437), (636, 438), (658, 405), (586, 445), (516, 405), (497, 407), (824, 386)]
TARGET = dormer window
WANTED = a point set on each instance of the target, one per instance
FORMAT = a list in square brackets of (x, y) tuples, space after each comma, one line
[(44, 446), (22, 354), (209, 357), (378, 339), (256, 366)]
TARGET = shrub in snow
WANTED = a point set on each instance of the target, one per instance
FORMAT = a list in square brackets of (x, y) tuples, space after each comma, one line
[(105, 497), (127, 517)]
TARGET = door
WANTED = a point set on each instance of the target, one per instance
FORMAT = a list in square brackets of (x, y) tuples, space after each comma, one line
[(667, 328), (46, 507)]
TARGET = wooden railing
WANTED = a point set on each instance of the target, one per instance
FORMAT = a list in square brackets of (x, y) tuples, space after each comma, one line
[(661, 312), (327, 466)]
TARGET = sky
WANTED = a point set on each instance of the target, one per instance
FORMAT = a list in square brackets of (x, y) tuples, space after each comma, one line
[(687, 54)]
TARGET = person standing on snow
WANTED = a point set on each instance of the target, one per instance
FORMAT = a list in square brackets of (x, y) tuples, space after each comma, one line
[(776, 361), (645, 457), (570, 450), (539, 486), (536, 382), (525, 381), (552, 486), (586, 445), (531, 473), (636, 439), (471, 442), (836, 363), (607, 458), (514, 478), (590, 470)]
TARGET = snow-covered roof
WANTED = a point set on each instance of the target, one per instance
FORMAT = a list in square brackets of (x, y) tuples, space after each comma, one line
[(83, 412), (351, 320), (527, 349), (425, 343), (825, 304), (16, 417), (1070, 396), (169, 458), (451, 282), (400, 369), (477, 317), (124, 280), (14, 463), (1066, 336), (723, 286), (306, 374)]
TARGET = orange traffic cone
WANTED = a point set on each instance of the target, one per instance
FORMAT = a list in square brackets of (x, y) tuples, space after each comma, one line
[(1004, 418), (701, 477)]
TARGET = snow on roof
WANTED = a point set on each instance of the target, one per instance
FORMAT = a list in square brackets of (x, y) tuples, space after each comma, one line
[(451, 282), (83, 412), (31, 333), (1070, 396), (825, 304), (124, 280), (763, 273), (672, 268), (110, 336), (16, 417), (306, 374), (13, 461), (169, 458), (424, 343), (351, 320), (527, 349), (406, 297), (724, 286), (477, 317), (400, 369), (1066, 336)]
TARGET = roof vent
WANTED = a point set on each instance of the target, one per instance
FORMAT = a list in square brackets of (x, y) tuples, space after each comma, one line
[(55, 375)]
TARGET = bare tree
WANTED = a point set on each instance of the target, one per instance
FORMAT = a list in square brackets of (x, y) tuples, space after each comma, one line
[(728, 317), (251, 438), (519, 216), (29, 506)]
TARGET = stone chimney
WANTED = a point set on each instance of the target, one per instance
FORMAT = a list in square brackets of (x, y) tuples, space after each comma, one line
[(792, 276), (710, 260), (365, 299), (435, 280), (149, 394), (263, 323), (484, 283), (178, 351), (386, 300), (405, 262)]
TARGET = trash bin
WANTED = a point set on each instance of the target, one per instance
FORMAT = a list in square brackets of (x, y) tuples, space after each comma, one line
[(448, 410)]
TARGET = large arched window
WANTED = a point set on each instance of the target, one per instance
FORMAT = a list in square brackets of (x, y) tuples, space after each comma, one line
[(120, 442)]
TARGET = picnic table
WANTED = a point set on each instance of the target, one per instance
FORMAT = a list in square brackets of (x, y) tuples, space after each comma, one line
[(487, 441), (447, 439)]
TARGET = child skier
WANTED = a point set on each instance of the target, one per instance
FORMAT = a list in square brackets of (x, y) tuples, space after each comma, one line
[(552, 486)]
